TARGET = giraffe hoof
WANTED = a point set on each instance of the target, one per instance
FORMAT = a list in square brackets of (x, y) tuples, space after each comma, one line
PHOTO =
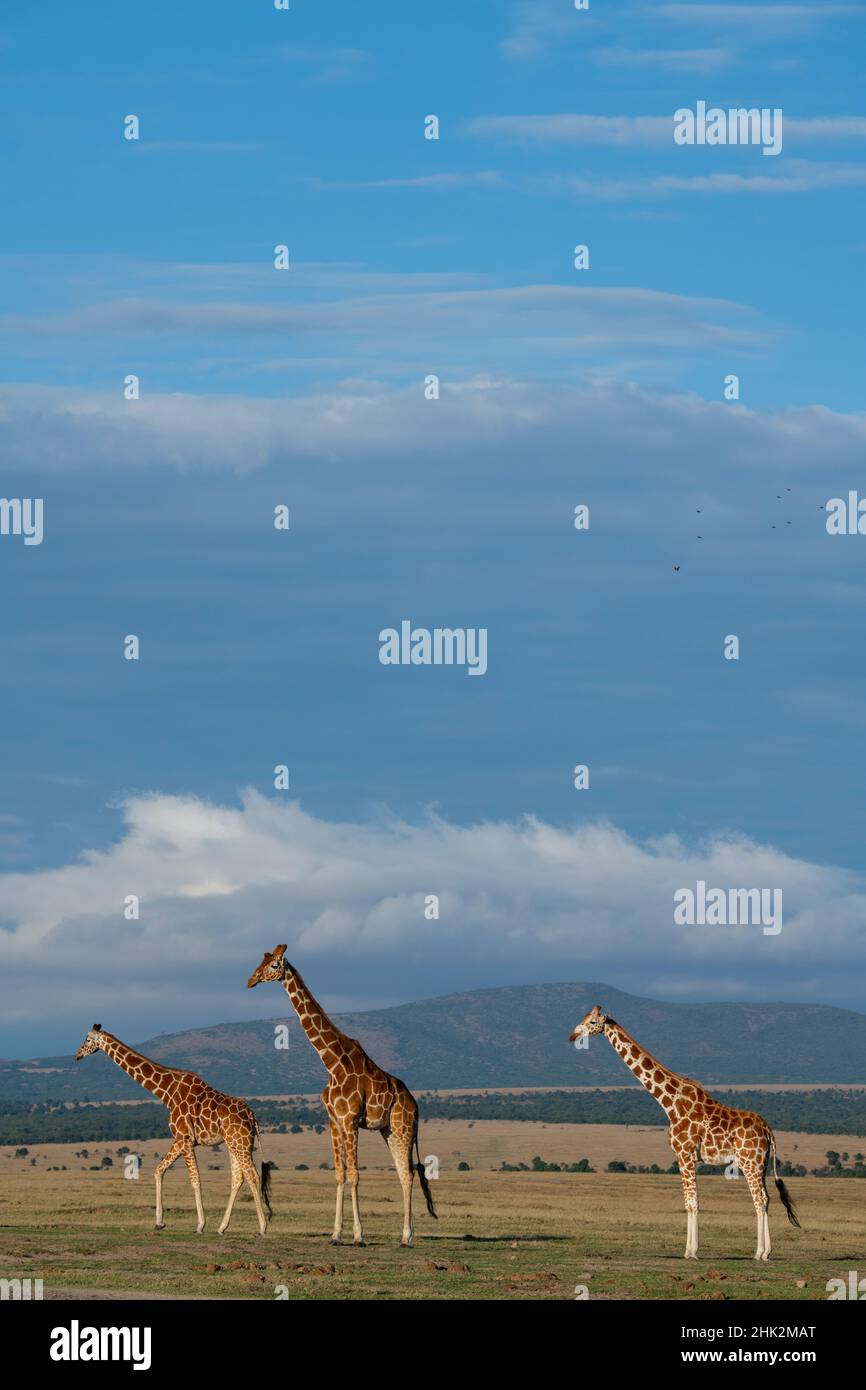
[(335, 1241), (359, 1242), (160, 1226), (407, 1244)]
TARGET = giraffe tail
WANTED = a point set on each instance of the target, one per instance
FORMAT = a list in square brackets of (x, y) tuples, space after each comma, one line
[(784, 1194), (422, 1176), (266, 1187), (267, 1169)]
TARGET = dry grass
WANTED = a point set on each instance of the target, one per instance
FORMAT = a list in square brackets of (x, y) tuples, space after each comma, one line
[(500, 1235)]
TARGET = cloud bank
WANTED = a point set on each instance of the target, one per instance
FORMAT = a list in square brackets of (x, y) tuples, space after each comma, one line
[(517, 901), (62, 430)]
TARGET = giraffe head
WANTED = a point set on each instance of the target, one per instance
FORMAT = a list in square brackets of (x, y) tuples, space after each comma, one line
[(273, 967), (594, 1022), (90, 1044)]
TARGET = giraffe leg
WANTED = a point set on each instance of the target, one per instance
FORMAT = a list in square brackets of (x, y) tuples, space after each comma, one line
[(340, 1175), (173, 1153), (755, 1178), (189, 1159), (254, 1185), (350, 1142), (237, 1180), (400, 1144), (687, 1167)]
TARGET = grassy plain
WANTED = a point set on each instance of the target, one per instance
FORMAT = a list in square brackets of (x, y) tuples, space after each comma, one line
[(90, 1234)]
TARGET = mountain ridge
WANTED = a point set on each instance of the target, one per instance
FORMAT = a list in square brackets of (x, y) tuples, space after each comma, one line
[(505, 1036)]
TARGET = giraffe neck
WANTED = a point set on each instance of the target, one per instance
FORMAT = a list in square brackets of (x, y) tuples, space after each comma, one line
[(151, 1075), (326, 1039), (662, 1083)]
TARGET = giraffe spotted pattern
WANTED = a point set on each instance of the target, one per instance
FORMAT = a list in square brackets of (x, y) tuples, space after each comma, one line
[(702, 1129), (359, 1095), (197, 1114)]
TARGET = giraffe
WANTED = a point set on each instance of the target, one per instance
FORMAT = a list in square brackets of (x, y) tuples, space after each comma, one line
[(359, 1095), (197, 1114), (700, 1125)]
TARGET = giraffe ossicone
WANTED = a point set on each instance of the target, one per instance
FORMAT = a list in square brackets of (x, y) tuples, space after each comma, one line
[(197, 1114), (701, 1128), (359, 1095)]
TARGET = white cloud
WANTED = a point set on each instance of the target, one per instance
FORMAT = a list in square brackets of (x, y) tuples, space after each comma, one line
[(798, 176), (576, 129), (484, 178), (68, 430), (542, 27), (537, 24), (111, 277), (826, 127), (220, 884), (791, 19), (585, 316)]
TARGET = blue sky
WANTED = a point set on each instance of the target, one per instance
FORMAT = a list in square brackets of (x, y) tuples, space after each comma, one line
[(305, 387)]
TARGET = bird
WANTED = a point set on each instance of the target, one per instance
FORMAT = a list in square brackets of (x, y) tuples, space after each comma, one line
[(676, 567)]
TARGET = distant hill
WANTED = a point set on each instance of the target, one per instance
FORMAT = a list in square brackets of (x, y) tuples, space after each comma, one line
[(516, 1036)]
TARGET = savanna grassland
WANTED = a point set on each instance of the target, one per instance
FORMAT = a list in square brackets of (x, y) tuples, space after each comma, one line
[(88, 1232)]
